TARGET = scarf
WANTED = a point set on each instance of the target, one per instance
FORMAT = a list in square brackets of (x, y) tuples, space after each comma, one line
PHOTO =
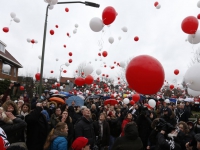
[(23, 114)]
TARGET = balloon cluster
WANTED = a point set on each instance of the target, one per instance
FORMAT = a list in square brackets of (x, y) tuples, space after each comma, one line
[(14, 17), (32, 41)]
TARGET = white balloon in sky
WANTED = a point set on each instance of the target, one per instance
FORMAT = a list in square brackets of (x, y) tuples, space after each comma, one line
[(122, 64), (28, 40), (194, 38), (100, 59), (198, 4), (74, 31), (119, 38), (125, 29), (96, 24), (76, 25), (51, 7), (158, 6), (54, 2), (12, 14), (67, 64), (17, 20), (88, 69), (56, 59), (39, 56), (95, 59), (36, 41), (193, 93), (111, 40), (98, 71)]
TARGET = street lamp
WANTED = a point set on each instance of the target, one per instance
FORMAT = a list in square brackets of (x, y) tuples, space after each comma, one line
[(44, 35)]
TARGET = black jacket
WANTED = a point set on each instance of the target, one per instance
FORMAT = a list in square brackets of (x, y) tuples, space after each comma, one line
[(85, 128), (115, 127), (15, 130), (37, 129)]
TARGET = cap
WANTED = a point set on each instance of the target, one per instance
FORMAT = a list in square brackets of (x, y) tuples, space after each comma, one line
[(79, 143), (197, 137), (167, 101)]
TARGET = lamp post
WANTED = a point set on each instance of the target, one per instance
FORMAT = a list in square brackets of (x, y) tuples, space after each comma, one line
[(44, 35)]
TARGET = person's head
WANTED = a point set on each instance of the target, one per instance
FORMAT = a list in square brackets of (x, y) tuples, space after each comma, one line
[(73, 103), (64, 114), (58, 111), (93, 106), (44, 103), (25, 108), (129, 116), (182, 105), (102, 117), (10, 106), (183, 127), (80, 143), (86, 113), (8, 98), (4, 117), (20, 103), (21, 98), (62, 127)]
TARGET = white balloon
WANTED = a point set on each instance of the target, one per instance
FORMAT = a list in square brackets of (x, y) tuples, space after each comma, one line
[(17, 20), (98, 71), (96, 24), (192, 77), (126, 101), (54, 2), (122, 64), (88, 69), (67, 64), (28, 40), (39, 56), (51, 7), (87, 91), (12, 14), (56, 59), (111, 40), (95, 59), (61, 87), (46, 80), (158, 6), (198, 4), (193, 93), (74, 31), (125, 29), (100, 59), (119, 38), (152, 103), (108, 84), (76, 25), (36, 41), (67, 81), (194, 38)]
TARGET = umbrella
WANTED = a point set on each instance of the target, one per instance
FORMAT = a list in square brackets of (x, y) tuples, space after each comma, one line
[(66, 94), (81, 96), (57, 100), (173, 100), (77, 99), (110, 101), (59, 95), (54, 91)]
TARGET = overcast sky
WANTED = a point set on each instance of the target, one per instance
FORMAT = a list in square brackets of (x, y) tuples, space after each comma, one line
[(159, 31)]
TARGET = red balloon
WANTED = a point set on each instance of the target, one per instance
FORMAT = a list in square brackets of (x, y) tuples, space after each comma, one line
[(64, 71), (105, 66), (70, 53), (108, 16), (118, 78), (5, 29), (64, 46), (51, 32), (56, 26), (171, 86), (67, 34), (70, 60), (76, 71), (198, 16), (136, 97), (99, 54), (176, 72), (107, 76), (67, 9), (156, 4), (148, 74), (132, 102), (89, 79), (51, 71), (58, 84), (82, 73), (103, 74), (190, 25), (53, 86), (114, 62), (104, 53), (136, 38), (79, 81), (37, 76), (119, 82), (21, 88), (112, 67), (32, 41)]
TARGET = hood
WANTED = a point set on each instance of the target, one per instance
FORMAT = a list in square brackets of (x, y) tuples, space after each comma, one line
[(131, 131), (9, 102)]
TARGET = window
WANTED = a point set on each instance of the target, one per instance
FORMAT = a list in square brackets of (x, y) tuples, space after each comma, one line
[(2, 47), (15, 72), (6, 69)]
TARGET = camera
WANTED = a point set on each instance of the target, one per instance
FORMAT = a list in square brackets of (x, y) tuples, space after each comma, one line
[(163, 125)]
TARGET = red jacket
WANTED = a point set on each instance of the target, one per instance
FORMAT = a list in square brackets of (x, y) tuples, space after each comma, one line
[(125, 121), (2, 147)]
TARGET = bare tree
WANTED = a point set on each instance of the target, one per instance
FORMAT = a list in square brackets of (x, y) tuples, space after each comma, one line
[(196, 57)]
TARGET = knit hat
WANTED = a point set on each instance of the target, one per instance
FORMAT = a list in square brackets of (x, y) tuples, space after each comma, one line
[(79, 143)]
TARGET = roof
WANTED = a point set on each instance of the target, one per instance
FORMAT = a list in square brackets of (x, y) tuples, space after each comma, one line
[(10, 58), (64, 79)]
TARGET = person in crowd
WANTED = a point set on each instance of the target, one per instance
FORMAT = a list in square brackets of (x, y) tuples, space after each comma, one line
[(77, 115), (84, 127), (45, 106), (64, 107), (182, 114), (188, 108), (20, 102), (80, 143), (10, 106), (37, 128), (68, 120), (130, 140), (168, 116), (197, 137), (52, 107), (128, 118), (94, 110), (56, 139), (34, 101), (25, 110), (55, 117), (102, 131), (197, 126), (25, 98)]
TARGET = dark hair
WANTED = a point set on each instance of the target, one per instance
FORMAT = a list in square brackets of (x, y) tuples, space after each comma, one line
[(26, 104)]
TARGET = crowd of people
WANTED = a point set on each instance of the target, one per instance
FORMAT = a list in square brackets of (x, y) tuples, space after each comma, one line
[(39, 124)]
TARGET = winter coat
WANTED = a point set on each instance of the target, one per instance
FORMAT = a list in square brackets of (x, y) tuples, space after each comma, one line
[(37, 129), (104, 141), (54, 120), (59, 143), (14, 130), (85, 128), (130, 140), (182, 116)]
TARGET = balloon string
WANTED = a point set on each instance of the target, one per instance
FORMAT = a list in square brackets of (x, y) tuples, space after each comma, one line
[(10, 22)]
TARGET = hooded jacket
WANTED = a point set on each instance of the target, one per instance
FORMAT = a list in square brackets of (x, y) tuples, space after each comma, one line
[(130, 140), (9, 102)]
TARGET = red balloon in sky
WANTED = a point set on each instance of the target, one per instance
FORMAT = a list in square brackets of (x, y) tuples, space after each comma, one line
[(171, 86), (156, 4), (198, 16), (190, 25), (32, 41), (108, 16), (99, 54), (148, 75), (70, 53), (105, 66), (104, 53), (89, 79), (70, 60), (64, 46), (51, 32), (5, 29), (136, 97), (176, 72), (65, 71), (51, 71), (132, 102), (67, 9), (21, 88), (67, 34), (56, 26), (136, 38), (79, 81), (37, 76)]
